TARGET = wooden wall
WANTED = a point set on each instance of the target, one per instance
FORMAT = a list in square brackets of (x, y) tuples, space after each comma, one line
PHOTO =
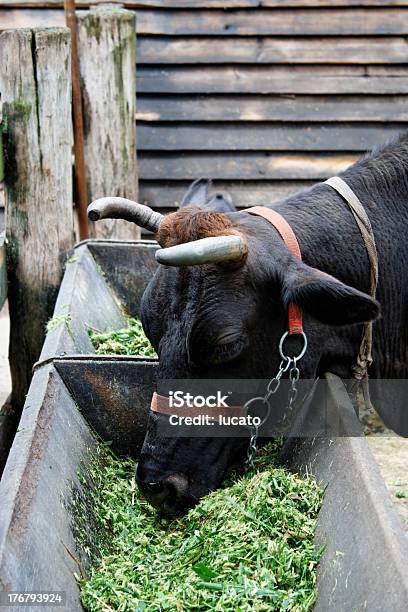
[(263, 96)]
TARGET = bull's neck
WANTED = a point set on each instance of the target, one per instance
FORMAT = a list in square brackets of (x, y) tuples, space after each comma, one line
[(322, 219), (328, 234)]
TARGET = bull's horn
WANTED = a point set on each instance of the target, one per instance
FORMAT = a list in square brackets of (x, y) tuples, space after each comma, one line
[(121, 208), (207, 250)]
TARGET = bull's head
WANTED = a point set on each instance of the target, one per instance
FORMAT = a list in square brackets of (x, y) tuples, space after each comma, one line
[(216, 308)]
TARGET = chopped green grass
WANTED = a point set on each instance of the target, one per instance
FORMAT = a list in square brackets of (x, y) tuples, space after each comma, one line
[(248, 546), (130, 340), (72, 259), (58, 321), (398, 483)]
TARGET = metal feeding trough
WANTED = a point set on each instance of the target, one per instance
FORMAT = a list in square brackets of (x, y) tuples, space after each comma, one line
[(365, 564)]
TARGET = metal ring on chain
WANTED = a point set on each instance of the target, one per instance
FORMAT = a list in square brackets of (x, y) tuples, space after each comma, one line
[(264, 401), (287, 363), (302, 352)]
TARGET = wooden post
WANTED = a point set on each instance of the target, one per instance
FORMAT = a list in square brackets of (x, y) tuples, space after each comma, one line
[(81, 194), (107, 52), (35, 82)]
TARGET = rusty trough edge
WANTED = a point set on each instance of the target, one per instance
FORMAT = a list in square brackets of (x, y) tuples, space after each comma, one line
[(92, 357), (113, 241)]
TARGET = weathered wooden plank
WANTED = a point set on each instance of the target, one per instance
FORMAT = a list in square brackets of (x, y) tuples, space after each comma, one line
[(265, 79), (244, 193), (106, 44), (272, 108), (243, 50), (274, 22), (35, 82), (31, 18), (199, 4), (272, 50), (264, 137), (258, 22), (241, 166)]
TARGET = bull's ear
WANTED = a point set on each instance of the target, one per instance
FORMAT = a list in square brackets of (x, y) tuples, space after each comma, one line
[(327, 299), (197, 193)]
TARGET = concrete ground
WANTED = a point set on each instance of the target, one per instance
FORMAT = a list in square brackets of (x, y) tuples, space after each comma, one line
[(391, 454)]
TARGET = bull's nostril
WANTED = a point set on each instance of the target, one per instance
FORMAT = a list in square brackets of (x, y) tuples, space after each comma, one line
[(152, 487), (171, 491), (145, 485), (176, 485), (169, 494)]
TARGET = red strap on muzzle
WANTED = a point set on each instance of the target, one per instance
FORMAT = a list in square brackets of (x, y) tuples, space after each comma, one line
[(295, 322)]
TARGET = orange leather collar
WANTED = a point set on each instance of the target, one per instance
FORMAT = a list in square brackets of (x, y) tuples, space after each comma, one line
[(295, 322)]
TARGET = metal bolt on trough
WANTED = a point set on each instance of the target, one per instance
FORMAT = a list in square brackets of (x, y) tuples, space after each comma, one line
[(364, 566)]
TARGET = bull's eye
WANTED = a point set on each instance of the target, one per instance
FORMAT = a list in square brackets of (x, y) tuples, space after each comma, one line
[(212, 341), (225, 352)]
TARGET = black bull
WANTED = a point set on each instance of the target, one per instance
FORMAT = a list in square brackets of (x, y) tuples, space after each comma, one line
[(225, 321)]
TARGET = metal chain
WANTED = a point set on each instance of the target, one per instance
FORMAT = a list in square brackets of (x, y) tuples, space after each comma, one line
[(294, 375), (251, 452), (287, 363), (271, 389)]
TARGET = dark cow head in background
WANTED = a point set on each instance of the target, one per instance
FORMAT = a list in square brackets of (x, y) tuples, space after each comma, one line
[(224, 318), (198, 194)]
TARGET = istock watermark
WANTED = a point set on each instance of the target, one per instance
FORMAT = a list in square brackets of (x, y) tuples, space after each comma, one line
[(177, 399), (221, 420), (208, 410)]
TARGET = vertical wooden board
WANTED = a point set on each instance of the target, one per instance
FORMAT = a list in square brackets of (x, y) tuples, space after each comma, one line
[(107, 48), (35, 81)]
